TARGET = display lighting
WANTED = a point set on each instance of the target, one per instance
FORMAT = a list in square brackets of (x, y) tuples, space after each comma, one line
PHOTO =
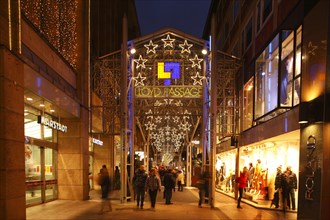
[(204, 51), (29, 99)]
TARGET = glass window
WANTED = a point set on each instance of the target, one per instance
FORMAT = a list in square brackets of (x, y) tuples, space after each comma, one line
[(266, 79), (258, 22), (248, 104), (286, 82), (32, 174), (268, 7), (296, 87), (248, 31)]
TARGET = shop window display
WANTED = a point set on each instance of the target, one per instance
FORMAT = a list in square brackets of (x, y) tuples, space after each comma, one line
[(267, 162), (225, 172)]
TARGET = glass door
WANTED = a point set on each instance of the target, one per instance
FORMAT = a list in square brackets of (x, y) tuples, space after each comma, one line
[(40, 167)]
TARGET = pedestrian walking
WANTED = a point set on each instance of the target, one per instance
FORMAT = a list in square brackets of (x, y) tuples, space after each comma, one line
[(104, 181), (169, 185), (242, 183), (139, 181), (153, 184)]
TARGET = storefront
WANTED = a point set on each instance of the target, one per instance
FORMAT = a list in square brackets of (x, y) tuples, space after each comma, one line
[(40, 131), (264, 159), (225, 172)]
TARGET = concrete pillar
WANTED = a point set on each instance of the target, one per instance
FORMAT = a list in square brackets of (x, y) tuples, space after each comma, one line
[(73, 159), (12, 167)]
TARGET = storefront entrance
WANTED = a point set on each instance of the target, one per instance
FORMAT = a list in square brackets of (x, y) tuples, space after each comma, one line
[(40, 172)]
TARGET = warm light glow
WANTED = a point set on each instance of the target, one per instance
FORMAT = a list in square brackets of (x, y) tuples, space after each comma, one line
[(204, 51), (42, 105), (52, 110), (303, 122), (29, 99), (133, 51)]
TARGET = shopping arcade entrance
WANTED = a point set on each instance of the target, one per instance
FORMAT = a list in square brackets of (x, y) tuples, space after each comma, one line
[(159, 100)]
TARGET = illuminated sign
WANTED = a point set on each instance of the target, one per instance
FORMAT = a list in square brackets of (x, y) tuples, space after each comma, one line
[(52, 124), (97, 141), (169, 92), (168, 71)]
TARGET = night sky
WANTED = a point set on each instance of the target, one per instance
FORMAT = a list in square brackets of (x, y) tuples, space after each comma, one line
[(188, 16)]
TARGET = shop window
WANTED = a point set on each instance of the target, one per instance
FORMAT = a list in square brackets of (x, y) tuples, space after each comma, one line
[(248, 104), (34, 129), (290, 69), (286, 79), (297, 72), (266, 79)]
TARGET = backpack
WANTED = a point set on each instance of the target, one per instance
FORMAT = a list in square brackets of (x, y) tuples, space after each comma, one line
[(140, 179)]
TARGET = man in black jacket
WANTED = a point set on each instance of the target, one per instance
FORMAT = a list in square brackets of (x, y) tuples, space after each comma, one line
[(169, 184)]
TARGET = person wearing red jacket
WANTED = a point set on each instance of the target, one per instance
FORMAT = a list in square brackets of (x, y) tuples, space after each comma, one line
[(242, 183)]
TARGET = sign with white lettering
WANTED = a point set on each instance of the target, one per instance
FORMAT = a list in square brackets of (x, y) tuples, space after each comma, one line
[(97, 141), (52, 124)]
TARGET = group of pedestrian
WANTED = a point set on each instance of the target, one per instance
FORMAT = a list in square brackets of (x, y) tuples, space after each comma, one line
[(286, 182), (153, 182)]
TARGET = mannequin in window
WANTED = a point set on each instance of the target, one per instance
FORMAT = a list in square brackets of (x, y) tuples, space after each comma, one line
[(257, 176), (250, 177)]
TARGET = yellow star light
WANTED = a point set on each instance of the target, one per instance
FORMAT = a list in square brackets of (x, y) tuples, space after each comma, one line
[(185, 47), (139, 80), (168, 41), (197, 79), (140, 62), (151, 48), (196, 62)]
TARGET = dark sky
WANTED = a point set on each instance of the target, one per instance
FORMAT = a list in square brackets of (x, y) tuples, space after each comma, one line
[(188, 16)]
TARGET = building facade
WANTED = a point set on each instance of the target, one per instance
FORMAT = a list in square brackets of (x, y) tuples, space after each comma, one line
[(282, 94), (45, 135)]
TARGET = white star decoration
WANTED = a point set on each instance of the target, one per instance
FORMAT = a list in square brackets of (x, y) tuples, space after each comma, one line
[(196, 62), (185, 47), (168, 41), (139, 80), (311, 48), (140, 62), (198, 79), (151, 48)]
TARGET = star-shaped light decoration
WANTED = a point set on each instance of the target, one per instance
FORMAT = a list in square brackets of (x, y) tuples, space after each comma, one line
[(168, 41), (140, 62), (176, 119), (198, 79), (158, 119), (311, 48), (167, 117), (196, 62), (185, 47), (179, 103), (157, 103), (139, 80), (151, 48), (150, 126)]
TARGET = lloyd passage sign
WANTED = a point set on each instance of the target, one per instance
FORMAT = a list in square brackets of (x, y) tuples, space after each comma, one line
[(168, 71)]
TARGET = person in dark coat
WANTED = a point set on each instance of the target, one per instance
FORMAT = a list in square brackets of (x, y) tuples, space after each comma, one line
[(278, 186), (139, 181), (153, 185), (104, 180), (169, 184)]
